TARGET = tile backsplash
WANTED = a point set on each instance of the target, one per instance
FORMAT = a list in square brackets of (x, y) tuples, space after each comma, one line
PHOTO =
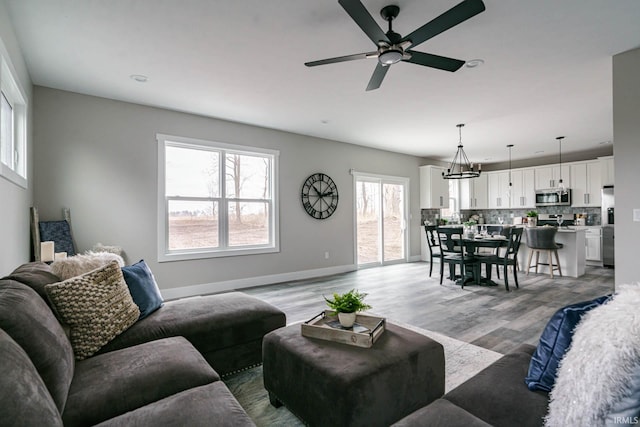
[(491, 216)]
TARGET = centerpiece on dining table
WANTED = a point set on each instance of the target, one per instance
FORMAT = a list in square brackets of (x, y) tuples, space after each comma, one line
[(470, 229)]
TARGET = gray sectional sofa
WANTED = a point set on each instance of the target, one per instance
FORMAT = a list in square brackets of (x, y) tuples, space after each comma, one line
[(496, 396), (165, 370)]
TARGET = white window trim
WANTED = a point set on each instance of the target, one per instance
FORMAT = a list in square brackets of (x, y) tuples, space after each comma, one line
[(162, 230), (10, 86)]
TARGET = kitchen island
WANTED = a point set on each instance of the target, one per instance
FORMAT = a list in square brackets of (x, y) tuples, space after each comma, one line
[(572, 255)]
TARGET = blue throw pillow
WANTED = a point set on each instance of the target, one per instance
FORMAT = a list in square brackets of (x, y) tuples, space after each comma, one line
[(554, 342), (143, 288)]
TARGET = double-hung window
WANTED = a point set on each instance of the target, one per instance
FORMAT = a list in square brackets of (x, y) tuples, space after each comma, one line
[(13, 127), (215, 199)]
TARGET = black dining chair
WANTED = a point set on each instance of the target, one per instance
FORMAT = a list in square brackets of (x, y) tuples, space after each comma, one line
[(509, 258), (494, 230), (454, 253), (433, 244)]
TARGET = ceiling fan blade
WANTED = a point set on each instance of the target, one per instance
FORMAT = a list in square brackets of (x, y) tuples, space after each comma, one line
[(454, 16), (377, 77), (353, 57), (365, 21), (434, 61)]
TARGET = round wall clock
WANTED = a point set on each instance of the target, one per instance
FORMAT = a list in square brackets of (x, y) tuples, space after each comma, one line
[(319, 196)]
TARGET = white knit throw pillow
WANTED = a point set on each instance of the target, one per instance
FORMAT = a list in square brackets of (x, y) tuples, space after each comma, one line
[(80, 264), (595, 374)]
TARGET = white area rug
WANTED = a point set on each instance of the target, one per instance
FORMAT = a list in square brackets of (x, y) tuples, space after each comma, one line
[(462, 361)]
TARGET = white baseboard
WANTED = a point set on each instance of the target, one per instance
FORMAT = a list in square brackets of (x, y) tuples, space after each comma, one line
[(230, 285)]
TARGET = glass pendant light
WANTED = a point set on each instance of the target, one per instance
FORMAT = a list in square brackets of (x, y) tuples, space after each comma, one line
[(510, 188), (561, 189), (460, 167)]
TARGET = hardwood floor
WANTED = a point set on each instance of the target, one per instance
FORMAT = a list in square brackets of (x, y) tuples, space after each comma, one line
[(488, 317)]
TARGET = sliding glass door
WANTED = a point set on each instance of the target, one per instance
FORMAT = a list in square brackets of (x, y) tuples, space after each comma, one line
[(381, 225)]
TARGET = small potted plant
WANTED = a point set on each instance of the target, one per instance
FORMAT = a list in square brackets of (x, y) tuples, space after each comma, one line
[(347, 305), (470, 228), (532, 218)]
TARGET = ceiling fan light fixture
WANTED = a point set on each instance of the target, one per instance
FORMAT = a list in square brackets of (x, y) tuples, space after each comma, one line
[(461, 167), (392, 47), (390, 56)]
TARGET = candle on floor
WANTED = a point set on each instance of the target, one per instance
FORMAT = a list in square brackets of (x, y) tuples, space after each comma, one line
[(47, 251), (59, 255)]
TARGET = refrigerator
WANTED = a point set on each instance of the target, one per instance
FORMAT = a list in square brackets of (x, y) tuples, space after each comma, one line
[(608, 225)]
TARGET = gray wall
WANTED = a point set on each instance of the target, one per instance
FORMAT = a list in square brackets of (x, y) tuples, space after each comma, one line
[(626, 134), (99, 158), (15, 200)]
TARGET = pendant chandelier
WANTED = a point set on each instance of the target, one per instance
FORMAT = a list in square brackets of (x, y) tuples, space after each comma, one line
[(510, 188), (561, 189), (460, 167)]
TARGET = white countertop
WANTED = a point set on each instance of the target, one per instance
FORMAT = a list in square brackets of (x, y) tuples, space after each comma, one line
[(580, 227), (573, 229)]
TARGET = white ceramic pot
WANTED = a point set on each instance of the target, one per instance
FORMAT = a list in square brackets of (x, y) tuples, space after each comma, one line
[(347, 319), (532, 221)]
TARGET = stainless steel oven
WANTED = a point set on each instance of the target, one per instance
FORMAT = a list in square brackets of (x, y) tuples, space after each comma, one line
[(552, 197)]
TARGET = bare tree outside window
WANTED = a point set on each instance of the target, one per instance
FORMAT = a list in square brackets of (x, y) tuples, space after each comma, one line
[(217, 199), (380, 223), (247, 184)]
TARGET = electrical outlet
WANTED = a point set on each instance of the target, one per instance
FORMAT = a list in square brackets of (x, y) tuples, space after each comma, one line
[(326, 255)]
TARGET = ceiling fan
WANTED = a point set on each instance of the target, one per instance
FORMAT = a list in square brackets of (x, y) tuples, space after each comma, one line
[(393, 48)]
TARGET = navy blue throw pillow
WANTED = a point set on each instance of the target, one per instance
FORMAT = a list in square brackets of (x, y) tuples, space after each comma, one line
[(143, 287), (554, 342)]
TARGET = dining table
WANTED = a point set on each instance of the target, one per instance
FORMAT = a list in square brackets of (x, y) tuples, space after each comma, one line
[(472, 244)]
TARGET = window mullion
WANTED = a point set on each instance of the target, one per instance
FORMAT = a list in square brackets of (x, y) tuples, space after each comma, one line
[(223, 222)]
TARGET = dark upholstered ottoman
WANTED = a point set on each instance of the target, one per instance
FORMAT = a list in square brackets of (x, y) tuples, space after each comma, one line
[(332, 384)]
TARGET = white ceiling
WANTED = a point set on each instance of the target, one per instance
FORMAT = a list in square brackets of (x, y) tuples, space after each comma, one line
[(547, 68)]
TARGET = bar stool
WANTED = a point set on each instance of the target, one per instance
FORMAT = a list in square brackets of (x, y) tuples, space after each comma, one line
[(542, 239)]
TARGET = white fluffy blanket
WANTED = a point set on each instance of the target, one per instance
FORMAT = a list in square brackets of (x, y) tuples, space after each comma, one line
[(594, 375), (77, 265)]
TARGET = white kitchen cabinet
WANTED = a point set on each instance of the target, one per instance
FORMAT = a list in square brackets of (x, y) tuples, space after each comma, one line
[(549, 176), (593, 244), (594, 183), (607, 173), (497, 192), (473, 192), (586, 184), (523, 194), (434, 189), (481, 188)]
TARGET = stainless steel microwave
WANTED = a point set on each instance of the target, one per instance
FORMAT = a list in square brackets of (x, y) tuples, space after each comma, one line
[(552, 197)]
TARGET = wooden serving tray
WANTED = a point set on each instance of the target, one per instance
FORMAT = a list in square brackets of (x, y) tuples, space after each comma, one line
[(364, 333)]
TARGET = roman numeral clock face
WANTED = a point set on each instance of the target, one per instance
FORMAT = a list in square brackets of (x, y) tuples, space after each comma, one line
[(319, 196)]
